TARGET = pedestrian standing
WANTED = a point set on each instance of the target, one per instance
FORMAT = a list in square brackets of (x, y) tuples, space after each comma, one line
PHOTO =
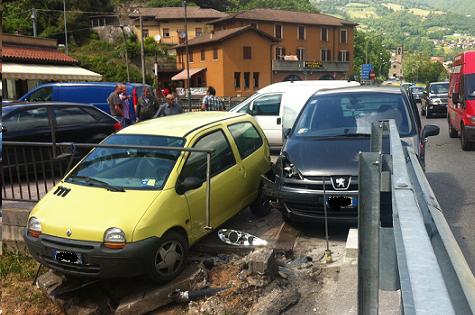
[(124, 98), (147, 105), (115, 103), (169, 108), (211, 102)]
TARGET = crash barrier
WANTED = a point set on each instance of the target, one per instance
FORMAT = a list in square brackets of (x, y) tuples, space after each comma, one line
[(229, 102), (27, 168), (419, 254)]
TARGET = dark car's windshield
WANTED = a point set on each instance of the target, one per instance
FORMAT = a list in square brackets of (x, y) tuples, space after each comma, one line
[(469, 82), (129, 168), (442, 88), (350, 114), (417, 90)]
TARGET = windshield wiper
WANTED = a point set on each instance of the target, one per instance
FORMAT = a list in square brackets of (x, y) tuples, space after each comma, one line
[(97, 182)]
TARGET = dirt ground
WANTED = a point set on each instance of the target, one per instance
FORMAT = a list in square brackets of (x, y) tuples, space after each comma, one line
[(18, 295)]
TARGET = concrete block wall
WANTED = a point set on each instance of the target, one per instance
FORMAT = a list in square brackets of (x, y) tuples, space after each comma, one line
[(14, 220)]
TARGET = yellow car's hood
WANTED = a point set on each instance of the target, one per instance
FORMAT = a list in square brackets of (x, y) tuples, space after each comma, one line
[(90, 211)]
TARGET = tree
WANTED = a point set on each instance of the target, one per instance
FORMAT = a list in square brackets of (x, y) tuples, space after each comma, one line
[(370, 44), (419, 68)]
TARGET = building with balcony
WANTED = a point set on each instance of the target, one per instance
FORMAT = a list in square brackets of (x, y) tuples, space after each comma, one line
[(235, 61), (169, 23), (311, 46)]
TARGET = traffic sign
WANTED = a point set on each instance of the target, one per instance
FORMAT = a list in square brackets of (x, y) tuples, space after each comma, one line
[(366, 71)]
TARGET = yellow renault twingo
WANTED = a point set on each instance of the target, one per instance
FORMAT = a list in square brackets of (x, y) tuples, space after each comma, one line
[(123, 211)]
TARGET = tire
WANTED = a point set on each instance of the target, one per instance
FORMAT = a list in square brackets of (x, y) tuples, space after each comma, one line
[(169, 258), (453, 133), (261, 206), (466, 145), (428, 114)]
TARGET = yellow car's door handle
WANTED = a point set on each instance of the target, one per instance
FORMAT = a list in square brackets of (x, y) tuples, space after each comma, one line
[(243, 171)]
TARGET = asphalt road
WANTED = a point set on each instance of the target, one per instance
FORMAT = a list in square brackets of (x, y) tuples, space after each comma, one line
[(451, 173)]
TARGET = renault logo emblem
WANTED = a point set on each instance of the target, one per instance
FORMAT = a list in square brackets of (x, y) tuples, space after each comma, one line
[(341, 182), (69, 232)]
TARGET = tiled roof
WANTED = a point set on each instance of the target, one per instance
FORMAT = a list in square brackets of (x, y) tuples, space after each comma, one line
[(297, 17), (35, 55), (169, 13), (225, 34)]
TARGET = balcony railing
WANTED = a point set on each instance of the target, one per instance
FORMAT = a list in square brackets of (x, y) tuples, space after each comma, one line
[(310, 66)]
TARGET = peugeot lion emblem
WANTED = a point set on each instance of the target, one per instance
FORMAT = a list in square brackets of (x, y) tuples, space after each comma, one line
[(69, 232), (341, 182)]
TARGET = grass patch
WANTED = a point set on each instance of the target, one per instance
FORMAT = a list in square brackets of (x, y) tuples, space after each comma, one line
[(18, 264)]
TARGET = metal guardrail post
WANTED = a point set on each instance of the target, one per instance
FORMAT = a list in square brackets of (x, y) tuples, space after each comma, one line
[(368, 232)]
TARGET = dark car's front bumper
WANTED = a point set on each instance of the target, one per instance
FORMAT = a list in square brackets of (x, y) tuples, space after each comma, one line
[(437, 109), (302, 200), (97, 261)]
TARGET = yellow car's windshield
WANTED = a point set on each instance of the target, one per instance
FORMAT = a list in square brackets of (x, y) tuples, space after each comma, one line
[(119, 169)]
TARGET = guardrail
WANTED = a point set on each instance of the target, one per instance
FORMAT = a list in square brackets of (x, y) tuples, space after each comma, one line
[(430, 269)]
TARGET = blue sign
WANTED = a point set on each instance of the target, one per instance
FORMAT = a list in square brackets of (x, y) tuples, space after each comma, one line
[(366, 70)]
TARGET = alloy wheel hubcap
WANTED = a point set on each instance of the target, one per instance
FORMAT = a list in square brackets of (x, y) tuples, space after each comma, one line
[(169, 257)]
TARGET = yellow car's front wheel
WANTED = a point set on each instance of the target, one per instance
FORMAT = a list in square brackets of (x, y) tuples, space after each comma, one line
[(170, 257)]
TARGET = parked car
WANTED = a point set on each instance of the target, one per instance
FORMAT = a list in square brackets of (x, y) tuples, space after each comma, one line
[(417, 93), (319, 161), (461, 104), (434, 99), (124, 212), (95, 93), (73, 122), (407, 85), (276, 106)]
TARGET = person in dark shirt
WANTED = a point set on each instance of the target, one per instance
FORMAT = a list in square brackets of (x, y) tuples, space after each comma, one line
[(169, 108), (147, 105)]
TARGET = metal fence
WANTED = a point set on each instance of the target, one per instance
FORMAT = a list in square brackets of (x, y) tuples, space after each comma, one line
[(428, 265), (229, 102)]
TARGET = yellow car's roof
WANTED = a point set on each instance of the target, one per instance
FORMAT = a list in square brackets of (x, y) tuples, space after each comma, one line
[(178, 125)]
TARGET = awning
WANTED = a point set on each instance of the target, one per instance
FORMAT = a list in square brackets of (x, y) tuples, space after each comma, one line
[(47, 72), (183, 75)]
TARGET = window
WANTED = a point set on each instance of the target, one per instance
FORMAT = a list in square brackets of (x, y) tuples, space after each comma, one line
[(267, 105), (190, 55), (72, 116), (203, 57), (343, 36), (324, 34), (198, 31), (256, 79), (215, 53), (279, 53), (237, 80), (43, 94), (246, 52), (301, 54), (278, 31), (145, 33), (246, 137), (166, 33), (325, 55), (27, 119), (247, 79), (344, 56), (301, 32), (255, 25), (221, 159)]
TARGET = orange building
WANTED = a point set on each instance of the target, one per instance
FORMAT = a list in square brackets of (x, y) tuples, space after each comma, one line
[(169, 22), (311, 46), (234, 61)]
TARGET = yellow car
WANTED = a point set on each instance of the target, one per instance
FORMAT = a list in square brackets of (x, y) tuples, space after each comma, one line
[(129, 211)]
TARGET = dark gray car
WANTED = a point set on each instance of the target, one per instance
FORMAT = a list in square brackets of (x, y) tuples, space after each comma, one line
[(434, 99), (319, 161)]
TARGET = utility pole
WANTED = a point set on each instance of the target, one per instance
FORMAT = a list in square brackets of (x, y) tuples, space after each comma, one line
[(65, 28), (33, 19), (125, 52), (187, 58), (142, 49)]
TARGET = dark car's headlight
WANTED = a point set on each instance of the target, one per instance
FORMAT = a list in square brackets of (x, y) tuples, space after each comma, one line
[(287, 169), (435, 101)]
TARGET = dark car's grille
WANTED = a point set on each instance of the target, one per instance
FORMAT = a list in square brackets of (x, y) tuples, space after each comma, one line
[(316, 183), (316, 209)]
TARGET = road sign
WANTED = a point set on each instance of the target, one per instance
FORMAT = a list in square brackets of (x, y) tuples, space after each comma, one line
[(366, 70)]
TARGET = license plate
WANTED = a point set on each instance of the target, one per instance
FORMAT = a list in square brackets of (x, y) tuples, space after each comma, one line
[(341, 201), (69, 257)]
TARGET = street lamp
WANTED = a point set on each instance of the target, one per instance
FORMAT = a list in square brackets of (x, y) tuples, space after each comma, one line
[(366, 45), (187, 57), (125, 52)]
